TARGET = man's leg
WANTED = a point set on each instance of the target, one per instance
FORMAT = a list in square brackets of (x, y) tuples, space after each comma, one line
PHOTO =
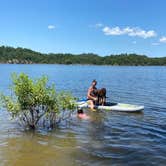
[(91, 104)]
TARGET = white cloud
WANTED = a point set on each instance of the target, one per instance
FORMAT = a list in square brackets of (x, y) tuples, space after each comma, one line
[(51, 26), (98, 25), (135, 31), (112, 31), (155, 44), (162, 39)]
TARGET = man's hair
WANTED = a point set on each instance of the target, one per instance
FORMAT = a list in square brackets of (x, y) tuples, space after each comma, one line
[(80, 111), (94, 81)]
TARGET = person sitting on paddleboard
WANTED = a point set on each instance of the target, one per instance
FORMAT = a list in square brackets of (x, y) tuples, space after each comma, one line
[(92, 98), (82, 115)]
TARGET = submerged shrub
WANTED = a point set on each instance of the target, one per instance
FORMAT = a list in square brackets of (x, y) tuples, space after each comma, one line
[(34, 102)]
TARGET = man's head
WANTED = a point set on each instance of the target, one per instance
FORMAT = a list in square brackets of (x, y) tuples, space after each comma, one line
[(94, 83), (80, 111)]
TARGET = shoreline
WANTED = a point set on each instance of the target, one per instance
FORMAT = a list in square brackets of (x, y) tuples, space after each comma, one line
[(82, 65)]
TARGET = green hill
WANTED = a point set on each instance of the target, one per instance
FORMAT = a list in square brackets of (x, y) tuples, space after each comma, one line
[(27, 56)]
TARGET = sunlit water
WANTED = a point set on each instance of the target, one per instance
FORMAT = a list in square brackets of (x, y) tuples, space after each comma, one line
[(107, 138)]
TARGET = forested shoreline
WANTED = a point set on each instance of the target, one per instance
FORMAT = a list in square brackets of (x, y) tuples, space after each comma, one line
[(20, 55)]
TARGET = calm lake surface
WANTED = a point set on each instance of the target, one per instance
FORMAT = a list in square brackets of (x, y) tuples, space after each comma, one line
[(107, 138)]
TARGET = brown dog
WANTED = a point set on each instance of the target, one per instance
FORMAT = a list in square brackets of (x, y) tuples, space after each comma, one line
[(101, 95)]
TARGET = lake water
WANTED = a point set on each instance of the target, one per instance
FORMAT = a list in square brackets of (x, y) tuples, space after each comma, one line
[(107, 138)]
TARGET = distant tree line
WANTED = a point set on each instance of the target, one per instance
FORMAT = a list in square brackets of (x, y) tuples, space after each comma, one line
[(27, 56)]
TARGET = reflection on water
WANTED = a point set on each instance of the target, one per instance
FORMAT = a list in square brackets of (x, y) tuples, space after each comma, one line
[(36, 149), (107, 138)]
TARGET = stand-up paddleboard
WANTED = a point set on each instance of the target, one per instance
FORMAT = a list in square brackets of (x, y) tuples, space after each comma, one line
[(112, 106)]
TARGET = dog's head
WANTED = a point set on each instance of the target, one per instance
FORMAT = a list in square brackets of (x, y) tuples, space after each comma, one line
[(95, 92)]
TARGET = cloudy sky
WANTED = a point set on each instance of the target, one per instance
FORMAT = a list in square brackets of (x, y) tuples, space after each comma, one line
[(76, 26)]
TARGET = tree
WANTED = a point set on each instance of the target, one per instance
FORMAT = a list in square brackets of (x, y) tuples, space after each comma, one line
[(34, 102), (27, 56)]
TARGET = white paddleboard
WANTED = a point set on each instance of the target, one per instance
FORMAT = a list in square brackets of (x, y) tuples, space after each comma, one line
[(113, 106)]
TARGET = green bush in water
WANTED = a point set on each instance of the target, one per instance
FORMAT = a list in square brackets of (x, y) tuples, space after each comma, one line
[(34, 102)]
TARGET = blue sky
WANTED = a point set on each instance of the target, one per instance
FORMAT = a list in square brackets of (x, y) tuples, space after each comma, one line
[(80, 26)]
